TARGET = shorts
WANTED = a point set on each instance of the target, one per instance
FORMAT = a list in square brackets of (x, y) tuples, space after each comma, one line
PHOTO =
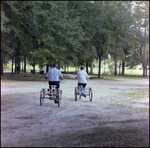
[(57, 83), (83, 84)]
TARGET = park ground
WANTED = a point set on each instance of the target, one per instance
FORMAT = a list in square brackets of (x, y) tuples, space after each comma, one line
[(117, 116)]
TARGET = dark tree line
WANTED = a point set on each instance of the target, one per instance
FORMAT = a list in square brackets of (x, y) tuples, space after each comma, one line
[(72, 33)]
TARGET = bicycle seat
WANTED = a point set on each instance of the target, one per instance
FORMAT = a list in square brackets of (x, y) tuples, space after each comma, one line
[(53, 86)]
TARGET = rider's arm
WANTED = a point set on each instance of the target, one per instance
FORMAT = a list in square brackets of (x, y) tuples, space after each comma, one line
[(76, 77), (60, 75), (62, 78), (87, 77), (47, 75)]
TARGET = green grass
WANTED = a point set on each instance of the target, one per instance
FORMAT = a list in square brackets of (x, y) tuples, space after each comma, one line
[(133, 72), (23, 77), (95, 71), (110, 77), (28, 68), (140, 91), (136, 73), (41, 77), (7, 67), (107, 137)]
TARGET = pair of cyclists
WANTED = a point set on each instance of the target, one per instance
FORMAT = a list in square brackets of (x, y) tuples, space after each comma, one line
[(54, 74)]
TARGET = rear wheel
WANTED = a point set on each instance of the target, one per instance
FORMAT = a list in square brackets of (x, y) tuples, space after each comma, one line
[(42, 98), (90, 96), (75, 94), (59, 98)]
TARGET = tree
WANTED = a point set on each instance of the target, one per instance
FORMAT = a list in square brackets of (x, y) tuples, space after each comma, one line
[(121, 22), (87, 45), (73, 33), (18, 35), (141, 16), (102, 29), (60, 40), (5, 32)]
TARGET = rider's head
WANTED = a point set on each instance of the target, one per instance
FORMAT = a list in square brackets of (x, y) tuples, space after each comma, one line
[(54, 64), (82, 67)]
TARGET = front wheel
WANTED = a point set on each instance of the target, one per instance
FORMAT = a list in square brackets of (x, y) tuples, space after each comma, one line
[(90, 96), (59, 98), (75, 94), (41, 99)]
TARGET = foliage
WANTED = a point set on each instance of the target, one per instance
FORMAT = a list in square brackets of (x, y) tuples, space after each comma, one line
[(140, 54), (72, 33)]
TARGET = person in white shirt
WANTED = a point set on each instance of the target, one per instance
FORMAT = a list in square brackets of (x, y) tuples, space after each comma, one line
[(54, 74), (82, 77)]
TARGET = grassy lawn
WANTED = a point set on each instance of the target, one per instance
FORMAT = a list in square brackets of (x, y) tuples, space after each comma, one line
[(28, 67), (134, 72), (41, 77)]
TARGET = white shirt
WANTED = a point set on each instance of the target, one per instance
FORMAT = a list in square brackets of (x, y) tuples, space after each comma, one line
[(82, 75), (54, 74)]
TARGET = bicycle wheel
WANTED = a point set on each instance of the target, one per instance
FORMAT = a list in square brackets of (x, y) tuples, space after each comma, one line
[(41, 99), (59, 98), (75, 94), (90, 96)]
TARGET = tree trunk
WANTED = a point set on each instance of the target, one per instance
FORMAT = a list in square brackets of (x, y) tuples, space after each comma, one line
[(119, 67), (99, 71), (144, 74), (46, 68), (91, 71), (18, 68), (144, 70), (115, 68), (34, 67), (18, 64), (25, 64), (104, 67), (1, 67), (123, 67), (22, 65), (147, 67), (76, 68), (115, 62), (87, 68), (58, 66), (15, 65), (12, 66), (116, 59)]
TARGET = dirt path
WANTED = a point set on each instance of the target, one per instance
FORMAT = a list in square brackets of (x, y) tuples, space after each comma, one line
[(117, 116)]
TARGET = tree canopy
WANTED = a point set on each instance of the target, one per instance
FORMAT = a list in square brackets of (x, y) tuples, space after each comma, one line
[(74, 32)]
